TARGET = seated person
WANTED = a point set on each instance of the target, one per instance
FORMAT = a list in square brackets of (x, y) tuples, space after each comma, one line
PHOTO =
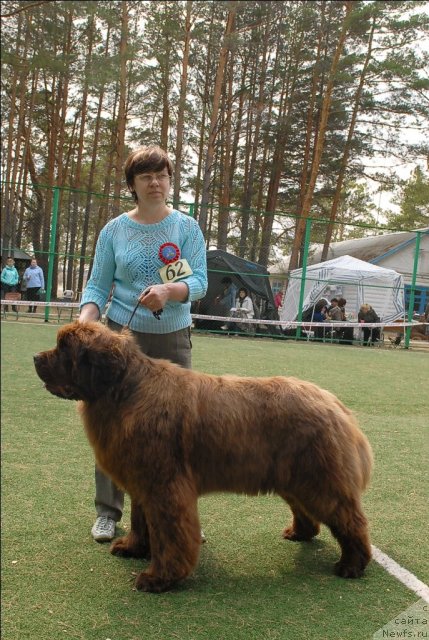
[(367, 314), (243, 309), (335, 312), (228, 295), (320, 315), (278, 299), (345, 333)]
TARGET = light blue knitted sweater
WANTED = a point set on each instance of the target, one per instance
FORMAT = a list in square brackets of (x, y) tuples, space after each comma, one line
[(127, 257)]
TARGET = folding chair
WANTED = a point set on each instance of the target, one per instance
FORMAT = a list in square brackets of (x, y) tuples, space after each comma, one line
[(68, 295), (13, 297)]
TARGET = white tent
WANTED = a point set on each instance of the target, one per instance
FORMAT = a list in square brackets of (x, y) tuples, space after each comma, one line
[(347, 277)]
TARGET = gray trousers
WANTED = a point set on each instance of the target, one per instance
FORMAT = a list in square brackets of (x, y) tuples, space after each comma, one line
[(176, 346)]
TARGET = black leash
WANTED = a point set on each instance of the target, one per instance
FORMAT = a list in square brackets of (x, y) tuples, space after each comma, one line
[(156, 314)]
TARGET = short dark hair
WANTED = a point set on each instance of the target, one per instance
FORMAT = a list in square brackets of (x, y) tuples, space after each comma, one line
[(334, 300), (145, 159)]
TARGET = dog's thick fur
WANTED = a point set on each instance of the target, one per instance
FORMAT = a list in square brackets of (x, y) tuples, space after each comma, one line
[(168, 435)]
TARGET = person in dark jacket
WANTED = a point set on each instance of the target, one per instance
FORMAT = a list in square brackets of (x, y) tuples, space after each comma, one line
[(367, 314)]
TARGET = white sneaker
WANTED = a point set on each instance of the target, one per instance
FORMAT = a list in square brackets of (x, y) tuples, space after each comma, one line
[(203, 537), (103, 529)]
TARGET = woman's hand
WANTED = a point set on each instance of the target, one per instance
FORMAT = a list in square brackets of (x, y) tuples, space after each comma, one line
[(154, 297)]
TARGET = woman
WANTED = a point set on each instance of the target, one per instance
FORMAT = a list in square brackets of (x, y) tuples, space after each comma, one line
[(35, 281), (243, 309), (367, 314), (320, 314), (154, 257), (9, 280), (346, 335)]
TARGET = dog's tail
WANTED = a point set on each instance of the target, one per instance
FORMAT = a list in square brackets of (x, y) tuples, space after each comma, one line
[(359, 460), (366, 459)]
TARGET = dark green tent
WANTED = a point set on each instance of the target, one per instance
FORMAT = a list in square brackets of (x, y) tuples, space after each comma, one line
[(243, 273)]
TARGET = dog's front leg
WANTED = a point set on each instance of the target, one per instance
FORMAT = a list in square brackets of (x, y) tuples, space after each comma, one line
[(175, 538), (136, 543)]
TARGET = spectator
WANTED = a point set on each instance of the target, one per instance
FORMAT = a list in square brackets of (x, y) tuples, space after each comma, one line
[(342, 305), (335, 312), (229, 293), (243, 309), (278, 299), (33, 276), (227, 298), (320, 314), (345, 333), (9, 280), (368, 315)]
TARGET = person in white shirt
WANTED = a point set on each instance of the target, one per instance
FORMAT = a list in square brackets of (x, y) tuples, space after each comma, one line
[(243, 309)]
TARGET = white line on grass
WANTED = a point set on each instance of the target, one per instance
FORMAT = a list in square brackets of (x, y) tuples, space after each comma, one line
[(403, 575)]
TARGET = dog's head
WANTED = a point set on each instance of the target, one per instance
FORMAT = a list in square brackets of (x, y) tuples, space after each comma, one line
[(87, 362)]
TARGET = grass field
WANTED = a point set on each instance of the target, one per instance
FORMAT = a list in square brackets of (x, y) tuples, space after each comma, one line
[(250, 584)]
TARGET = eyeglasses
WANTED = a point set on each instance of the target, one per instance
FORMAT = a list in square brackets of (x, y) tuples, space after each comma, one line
[(147, 178)]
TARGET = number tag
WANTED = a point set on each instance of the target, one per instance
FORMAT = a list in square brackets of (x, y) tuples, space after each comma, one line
[(175, 271)]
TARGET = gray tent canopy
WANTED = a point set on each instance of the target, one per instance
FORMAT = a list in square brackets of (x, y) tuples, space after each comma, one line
[(243, 273)]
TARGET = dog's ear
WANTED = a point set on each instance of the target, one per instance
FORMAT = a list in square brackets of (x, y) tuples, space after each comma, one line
[(105, 365)]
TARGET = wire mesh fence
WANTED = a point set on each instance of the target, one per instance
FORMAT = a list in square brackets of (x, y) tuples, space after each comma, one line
[(291, 268)]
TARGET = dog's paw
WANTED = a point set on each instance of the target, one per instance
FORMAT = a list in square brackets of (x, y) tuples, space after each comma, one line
[(348, 571), (290, 533), (152, 584), (127, 547)]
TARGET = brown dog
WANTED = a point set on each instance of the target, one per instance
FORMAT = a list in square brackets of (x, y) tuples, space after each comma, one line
[(168, 435)]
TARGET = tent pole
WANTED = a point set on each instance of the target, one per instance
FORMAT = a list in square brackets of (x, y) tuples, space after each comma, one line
[(413, 288), (308, 224)]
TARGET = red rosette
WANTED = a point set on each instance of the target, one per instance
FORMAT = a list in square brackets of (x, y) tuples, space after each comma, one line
[(169, 252)]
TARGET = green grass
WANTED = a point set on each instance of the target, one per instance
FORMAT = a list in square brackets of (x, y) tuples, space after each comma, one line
[(250, 584)]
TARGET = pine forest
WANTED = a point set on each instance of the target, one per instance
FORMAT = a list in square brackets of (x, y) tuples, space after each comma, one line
[(272, 112)]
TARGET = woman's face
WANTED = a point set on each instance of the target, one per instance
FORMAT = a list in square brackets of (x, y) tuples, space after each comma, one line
[(242, 293), (152, 187)]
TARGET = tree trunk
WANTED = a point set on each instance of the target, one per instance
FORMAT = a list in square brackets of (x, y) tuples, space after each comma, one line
[(213, 131), (7, 187), (202, 126), (75, 196), (250, 183), (92, 170), (320, 139), (182, 106), (122, 115), (290, 85), (349, 141), (225, 197)]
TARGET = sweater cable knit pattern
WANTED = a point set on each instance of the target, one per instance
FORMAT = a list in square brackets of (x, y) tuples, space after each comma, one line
[(127, 256)]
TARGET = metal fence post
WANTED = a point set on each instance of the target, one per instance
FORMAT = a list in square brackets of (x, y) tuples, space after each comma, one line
[(412, 289), (308, 224), (51, 254)]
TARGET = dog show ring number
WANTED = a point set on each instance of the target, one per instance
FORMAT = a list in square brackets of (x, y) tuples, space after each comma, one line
[(175, 271)]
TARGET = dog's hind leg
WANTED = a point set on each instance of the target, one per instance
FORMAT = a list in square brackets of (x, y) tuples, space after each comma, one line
[(175, 538), (303, 526), (349, 526), (136, 543)]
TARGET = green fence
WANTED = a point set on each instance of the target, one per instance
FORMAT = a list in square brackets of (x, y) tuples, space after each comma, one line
[(60, 226)]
